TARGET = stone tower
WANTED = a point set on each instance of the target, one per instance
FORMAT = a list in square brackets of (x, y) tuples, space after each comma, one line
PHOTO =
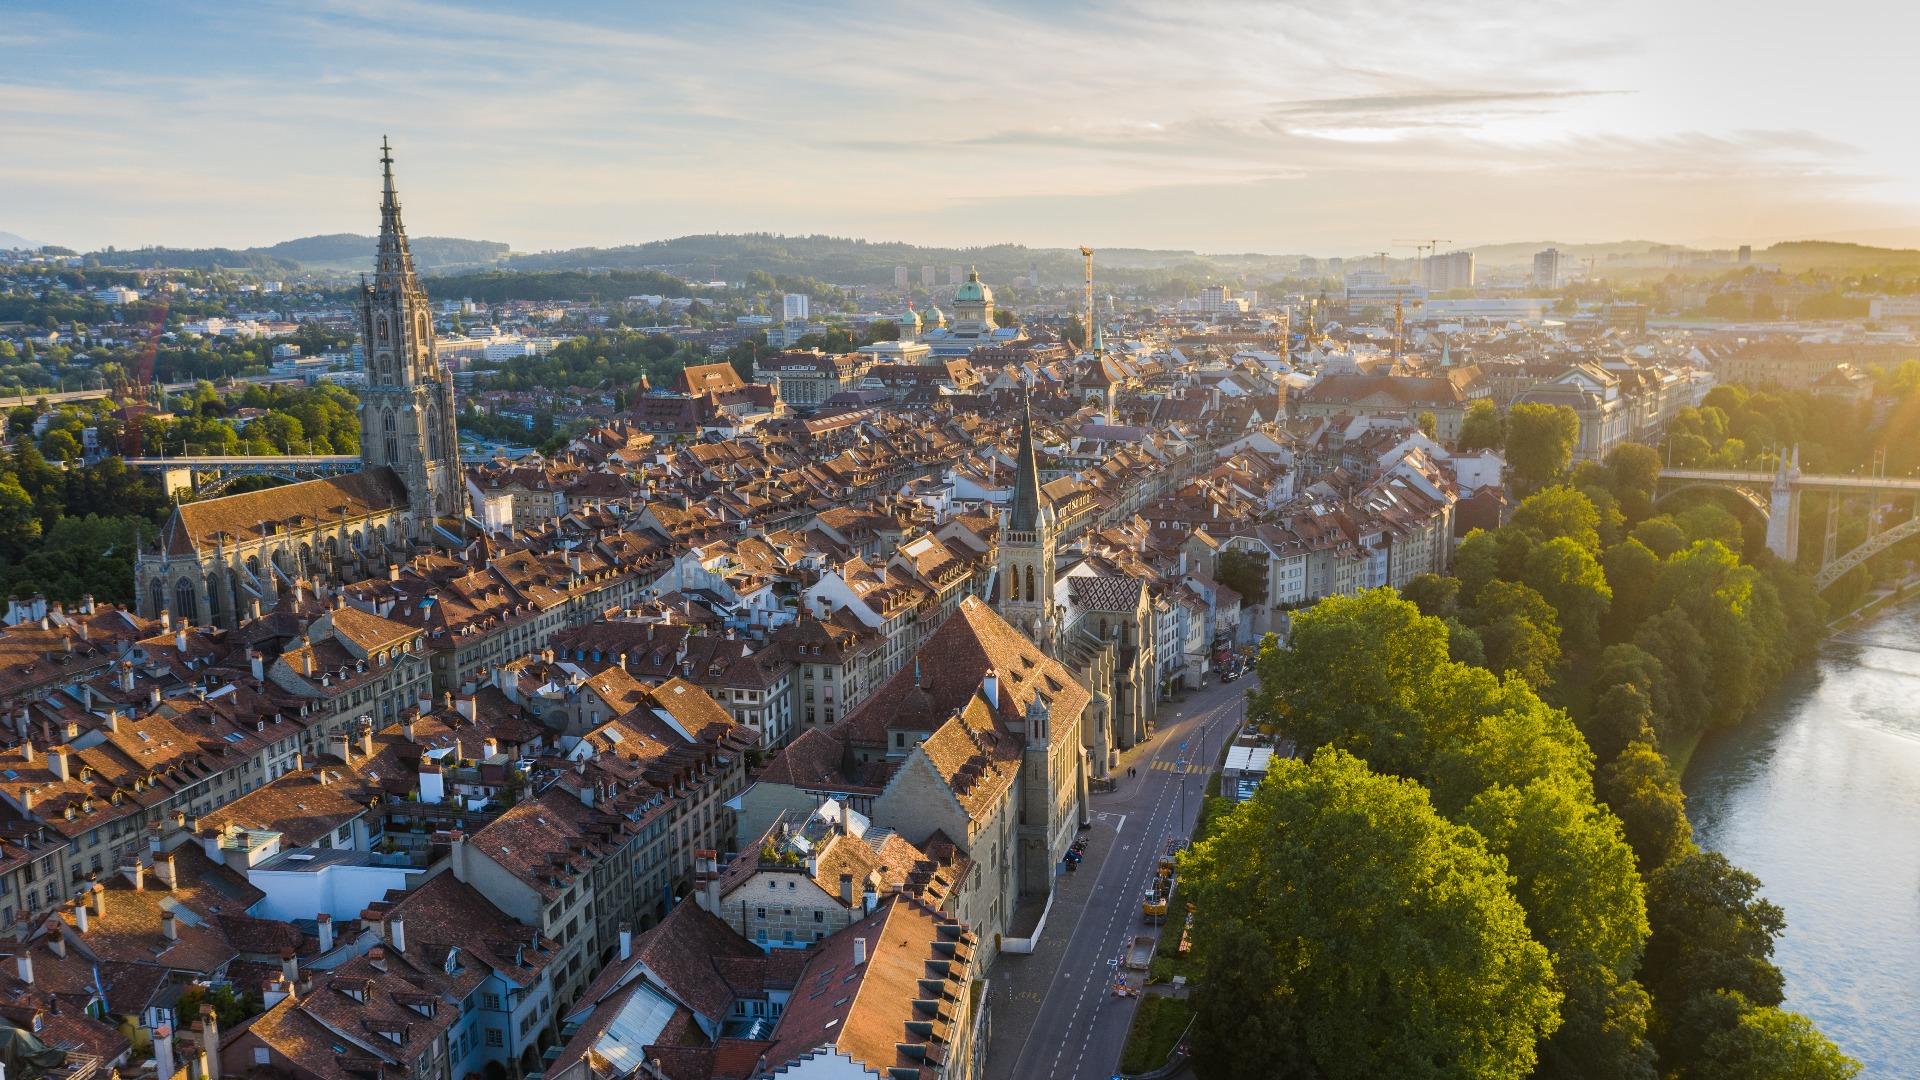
[(407, 406), (1026, 544)]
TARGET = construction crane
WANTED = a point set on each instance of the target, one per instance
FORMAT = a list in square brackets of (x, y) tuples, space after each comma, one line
[(1425, 249), (1086, 253)]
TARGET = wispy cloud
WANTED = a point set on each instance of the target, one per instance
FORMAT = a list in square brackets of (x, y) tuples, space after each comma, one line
[(610, 122)]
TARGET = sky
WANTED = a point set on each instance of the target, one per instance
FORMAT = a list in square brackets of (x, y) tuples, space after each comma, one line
[(1317, 126)]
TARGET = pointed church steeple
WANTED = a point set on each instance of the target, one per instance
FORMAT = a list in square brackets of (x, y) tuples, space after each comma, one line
[(1025, 514), (393, 261)]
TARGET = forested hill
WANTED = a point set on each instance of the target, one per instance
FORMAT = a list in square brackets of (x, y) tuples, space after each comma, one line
[(849, 261), (345, 252)]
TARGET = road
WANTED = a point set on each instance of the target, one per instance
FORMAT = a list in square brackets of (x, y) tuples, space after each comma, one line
[(1055, 1018)]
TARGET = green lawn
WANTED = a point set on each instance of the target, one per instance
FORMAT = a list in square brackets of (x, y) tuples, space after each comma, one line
[(1156, 1027)]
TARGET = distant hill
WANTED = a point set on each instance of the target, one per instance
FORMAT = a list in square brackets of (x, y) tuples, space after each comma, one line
[(12, 241), (848, 261), (342, 252), (355, 251), (1521, 254), (1793, 256)]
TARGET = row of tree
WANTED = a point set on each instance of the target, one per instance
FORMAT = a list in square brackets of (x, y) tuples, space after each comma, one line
[(1483, 866)]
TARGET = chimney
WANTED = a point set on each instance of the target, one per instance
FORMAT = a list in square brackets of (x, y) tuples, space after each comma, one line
[(23, 966), (393, 571), (377, 958), (859, 951), (136, 873), (82, 916), (210, 844), (366, 741), (56, 941), (488, 748), (163, 1052), (57, 761), (169, 925), (257, 660), (210, 1041), (869, 898), (289, 966), (276, 992), (163, 870), (407, 730), (397, 934), (26, 751), (464, 703), (846, 889), (166, 621), (126, 676), (180, 640), (98, 894), (626, 941), (326, 931)]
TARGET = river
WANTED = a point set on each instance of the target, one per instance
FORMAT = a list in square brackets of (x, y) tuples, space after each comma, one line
[(1819, 795)]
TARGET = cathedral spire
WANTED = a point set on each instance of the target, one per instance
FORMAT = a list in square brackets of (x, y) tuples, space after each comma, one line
[(1025, 515), (393, 263)]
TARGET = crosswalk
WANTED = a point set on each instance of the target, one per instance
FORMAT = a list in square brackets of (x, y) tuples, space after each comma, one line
[(1178, 767)]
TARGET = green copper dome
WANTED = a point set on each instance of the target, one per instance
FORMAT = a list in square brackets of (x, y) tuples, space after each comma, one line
[(971, 291)]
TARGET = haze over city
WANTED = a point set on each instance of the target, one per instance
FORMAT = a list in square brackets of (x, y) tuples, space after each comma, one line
[(995, 541), (1217, 126)]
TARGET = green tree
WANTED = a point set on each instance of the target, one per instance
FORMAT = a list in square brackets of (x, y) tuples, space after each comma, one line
[(1540, 442), (1712, 932), (1576, 879), (1426, 912), (1434, 595), (1642, 791), (60, 445), (1520, 631), (1244, 573), (19, 520), (1428, 423), (1661, 535), (1772, 1044), (1482, 428), (1631, 569), (1559, 511), (1636, 468), (1570, 579)]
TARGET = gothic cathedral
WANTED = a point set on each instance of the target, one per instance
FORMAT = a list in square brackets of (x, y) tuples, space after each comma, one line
[(407, 408), (224, 560)]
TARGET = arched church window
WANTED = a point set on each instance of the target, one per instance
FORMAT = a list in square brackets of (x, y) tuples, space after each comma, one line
[(184, 608), (380, 328), (1029, 584), (392, 438), (433, 431), (426, 334), (159, 599)]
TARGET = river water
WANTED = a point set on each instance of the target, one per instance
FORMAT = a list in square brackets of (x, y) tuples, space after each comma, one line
[(1819, 795)]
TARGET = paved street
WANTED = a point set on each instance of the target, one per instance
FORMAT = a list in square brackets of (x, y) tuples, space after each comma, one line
[(1054, 1016)]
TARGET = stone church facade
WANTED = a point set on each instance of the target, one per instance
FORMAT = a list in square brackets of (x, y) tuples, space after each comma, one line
[(221, 561)]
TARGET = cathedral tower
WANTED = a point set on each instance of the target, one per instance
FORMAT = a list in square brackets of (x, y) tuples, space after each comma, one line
[(407, 406), (1027, 544)]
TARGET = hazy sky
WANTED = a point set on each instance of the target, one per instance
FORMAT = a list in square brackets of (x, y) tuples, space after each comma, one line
[(1332, 127)]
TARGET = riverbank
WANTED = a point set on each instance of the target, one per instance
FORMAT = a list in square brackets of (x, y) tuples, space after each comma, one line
[(1818, 794)]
